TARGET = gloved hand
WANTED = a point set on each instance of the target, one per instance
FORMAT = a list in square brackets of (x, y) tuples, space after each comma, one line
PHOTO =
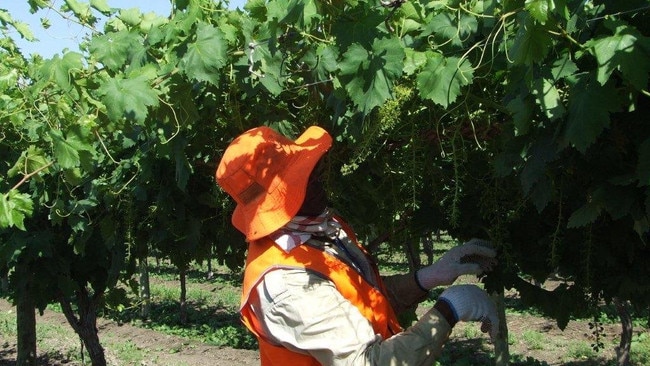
[(474, 257), (470, 303)]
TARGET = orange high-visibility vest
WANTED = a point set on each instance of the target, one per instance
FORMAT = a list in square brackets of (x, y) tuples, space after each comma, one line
[(265, 256)]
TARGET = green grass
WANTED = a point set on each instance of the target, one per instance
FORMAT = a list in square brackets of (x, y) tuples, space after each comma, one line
[(640, 350), (129, 353), (580, 350), (8, 323), (533, 339), (470, 330)]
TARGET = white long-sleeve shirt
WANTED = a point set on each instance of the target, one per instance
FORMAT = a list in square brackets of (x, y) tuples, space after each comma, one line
[(304, 312)]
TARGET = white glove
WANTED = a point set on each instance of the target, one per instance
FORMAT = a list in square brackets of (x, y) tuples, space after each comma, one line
[(470, 303), (474, 257)]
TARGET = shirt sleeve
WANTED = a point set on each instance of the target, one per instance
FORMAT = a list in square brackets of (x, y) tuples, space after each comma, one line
[(304, 312), (403, 292)]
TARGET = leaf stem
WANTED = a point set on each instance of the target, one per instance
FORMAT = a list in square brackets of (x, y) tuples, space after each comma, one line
[(563, 33)]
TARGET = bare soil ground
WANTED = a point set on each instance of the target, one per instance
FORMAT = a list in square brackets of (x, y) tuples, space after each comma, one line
[(553, 346)]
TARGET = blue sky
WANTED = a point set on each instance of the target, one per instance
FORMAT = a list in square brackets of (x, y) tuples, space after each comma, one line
[(64, 34)]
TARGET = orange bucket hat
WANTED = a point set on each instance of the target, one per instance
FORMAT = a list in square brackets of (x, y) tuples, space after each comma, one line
[(266, 174)]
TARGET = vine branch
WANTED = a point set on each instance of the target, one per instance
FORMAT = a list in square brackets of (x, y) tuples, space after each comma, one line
[(29, 175)]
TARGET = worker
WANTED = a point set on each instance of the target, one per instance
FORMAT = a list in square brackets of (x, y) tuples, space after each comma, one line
[(311, 294)]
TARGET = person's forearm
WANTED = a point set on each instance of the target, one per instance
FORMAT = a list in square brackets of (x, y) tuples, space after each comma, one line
[(420, 344), (403, 291)]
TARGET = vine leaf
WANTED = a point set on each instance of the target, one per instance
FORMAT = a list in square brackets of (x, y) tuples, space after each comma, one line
[(542, 193), (362, 29), (414, 61), (271, 68), (256, 9), (206, 55), (8, 79), (299, 13), (412, 11), (617, 200), (539, 9), (585, 215), (152, 20), (81, 11), (326, 60), (22, 27), (128, 97), (182, 165), (31, 160), (442, 78), (24, 30), (101, 6), (560, 304), (66, 150), (589, 106), (447, 29), (548, 98), (369, 74), (540, 154), (563, 67), (113, 49), (522, 114), (132, 16), (544, 88), (626, 51), (60, 70), (14, 208), (532, 42)]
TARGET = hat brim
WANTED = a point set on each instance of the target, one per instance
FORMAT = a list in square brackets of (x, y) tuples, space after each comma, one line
[(280, 204)]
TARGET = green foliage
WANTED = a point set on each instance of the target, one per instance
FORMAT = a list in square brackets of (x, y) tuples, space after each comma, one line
[(640, 351), (128, 98), (14, 208), (206, 56), (588, 112), (368, 75), (442, 78)]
